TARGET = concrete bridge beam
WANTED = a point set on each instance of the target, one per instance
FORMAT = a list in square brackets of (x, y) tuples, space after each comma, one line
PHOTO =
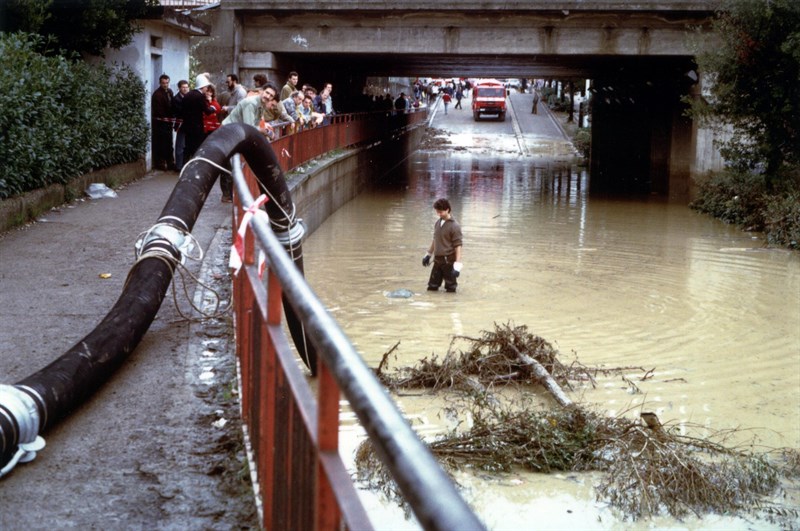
[(467, 33), (621, 41)]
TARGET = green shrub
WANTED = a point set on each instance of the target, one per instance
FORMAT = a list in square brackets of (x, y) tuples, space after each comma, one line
[(742, 198), (63, 117), (556, 104), (782, 221), (583, 141), (733, 196)]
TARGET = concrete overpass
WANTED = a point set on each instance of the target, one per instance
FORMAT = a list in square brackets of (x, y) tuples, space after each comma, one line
[(637, 52)]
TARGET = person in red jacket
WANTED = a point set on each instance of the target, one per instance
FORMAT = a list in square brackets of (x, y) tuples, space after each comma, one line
[(446, 99), (211, 121)]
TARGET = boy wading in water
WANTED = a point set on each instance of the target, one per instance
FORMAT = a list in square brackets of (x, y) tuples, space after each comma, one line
[(445, 250)]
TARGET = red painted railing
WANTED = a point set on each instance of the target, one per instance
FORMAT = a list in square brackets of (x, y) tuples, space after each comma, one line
[(303, 482), (294, 438), (344, 130)]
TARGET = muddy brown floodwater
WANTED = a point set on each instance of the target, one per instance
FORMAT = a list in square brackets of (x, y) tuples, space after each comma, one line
[(609, 282)]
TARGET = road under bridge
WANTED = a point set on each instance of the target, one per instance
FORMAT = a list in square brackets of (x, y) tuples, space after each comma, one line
[(638, 54)]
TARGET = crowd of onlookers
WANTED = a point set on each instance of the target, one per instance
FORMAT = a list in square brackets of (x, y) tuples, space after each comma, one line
[(182, 120), (194, 114)]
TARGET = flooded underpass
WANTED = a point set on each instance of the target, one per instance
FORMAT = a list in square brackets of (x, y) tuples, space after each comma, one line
[(611, 282)]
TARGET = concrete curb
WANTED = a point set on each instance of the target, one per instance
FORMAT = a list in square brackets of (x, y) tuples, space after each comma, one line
[(523, 147), (18, 210)]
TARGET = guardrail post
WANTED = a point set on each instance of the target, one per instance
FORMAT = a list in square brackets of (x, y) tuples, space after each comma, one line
[(328, 515), (268, 398), (243, 303)]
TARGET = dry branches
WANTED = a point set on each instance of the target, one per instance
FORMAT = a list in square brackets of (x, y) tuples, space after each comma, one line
[(649, 468), (499, 357)]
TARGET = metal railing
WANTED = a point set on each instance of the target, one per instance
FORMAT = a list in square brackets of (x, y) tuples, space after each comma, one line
[(294, 435), (344, 130)]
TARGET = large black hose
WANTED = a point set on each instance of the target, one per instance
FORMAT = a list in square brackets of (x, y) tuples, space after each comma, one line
[(39, 401)]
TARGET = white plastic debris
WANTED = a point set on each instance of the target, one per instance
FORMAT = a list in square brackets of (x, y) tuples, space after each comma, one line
[(99, 191)]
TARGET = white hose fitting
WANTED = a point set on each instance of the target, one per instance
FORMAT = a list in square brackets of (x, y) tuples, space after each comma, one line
[(181, 241), (25, 414), (292, 237)]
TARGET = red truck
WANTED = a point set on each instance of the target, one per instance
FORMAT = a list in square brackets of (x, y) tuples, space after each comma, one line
[(489, 97)]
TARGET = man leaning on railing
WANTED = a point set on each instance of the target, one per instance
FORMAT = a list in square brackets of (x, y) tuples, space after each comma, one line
[(290, 107), (253, 110), (310, 116)]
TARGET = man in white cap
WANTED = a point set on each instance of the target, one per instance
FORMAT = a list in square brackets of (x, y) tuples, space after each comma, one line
[(195, 107)]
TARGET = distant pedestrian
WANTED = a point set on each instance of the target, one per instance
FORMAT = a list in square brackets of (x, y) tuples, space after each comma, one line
[(535, 102), (400, 102), (259, 80), (195, 107), (177, 109), (161, 119), (459, 95), (417, 89), (445, 249), (290, 86), (446, 99), (237, 93)]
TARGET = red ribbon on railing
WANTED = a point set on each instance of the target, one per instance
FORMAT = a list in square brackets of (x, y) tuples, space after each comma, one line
[(237, 249)]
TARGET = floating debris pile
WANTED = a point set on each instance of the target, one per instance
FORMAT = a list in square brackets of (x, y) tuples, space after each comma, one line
[(649, 468)]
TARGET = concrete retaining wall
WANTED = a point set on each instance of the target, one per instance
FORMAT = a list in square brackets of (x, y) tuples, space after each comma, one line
[(336, 180), (18, 210)]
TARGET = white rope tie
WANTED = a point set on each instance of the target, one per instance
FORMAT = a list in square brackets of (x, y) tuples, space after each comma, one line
[(203, 159), (183, 243), (291, 250)]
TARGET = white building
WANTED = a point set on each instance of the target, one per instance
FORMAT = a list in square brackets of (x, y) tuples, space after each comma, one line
[(162, 47)]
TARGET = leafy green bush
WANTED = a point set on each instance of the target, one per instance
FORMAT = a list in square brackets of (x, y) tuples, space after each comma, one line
[(557, 104), (63, 117), (742, 198), (733, 196), (753, 65), (782, 221), (583, 141)]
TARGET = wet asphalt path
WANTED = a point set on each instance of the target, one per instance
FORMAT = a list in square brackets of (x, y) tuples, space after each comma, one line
[(522, 132), (141, 452)]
